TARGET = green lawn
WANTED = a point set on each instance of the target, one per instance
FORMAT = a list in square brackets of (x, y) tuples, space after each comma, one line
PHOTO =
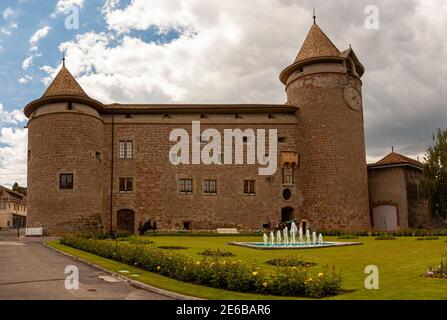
[(401, 263)]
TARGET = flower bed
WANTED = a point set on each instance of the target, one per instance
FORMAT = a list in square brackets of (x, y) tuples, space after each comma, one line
[(439, 271), (229, 275), (217, 253), (290, 261)]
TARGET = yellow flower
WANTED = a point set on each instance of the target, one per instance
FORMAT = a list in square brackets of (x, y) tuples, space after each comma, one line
[(294, 268), (320, 275), (198, 263), (265, 284), (158, 268), (310, 280), (255, 273)]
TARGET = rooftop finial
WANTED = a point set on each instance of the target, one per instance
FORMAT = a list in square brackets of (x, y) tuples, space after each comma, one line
[(315, 15), (392, 149), (63, 57)]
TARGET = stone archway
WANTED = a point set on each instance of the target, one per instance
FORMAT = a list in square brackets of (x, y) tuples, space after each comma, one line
[(287, 214), (125, 221)]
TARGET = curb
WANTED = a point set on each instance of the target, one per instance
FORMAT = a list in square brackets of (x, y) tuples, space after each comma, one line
[(137, 284)]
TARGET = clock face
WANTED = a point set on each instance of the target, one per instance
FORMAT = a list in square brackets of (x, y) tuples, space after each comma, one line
[(353, 98)]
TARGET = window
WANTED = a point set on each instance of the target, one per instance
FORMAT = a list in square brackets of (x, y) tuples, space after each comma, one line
[(249, 187), (210, 187), (288, 175), (126, 149), (282, 139), (66, 181), (126, 185), (185, 186)]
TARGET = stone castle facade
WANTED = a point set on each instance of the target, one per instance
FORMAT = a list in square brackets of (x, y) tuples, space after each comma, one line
[(91, 164)]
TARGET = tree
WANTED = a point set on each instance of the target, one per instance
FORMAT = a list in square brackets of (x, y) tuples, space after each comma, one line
[(19, 189), (434, 182)]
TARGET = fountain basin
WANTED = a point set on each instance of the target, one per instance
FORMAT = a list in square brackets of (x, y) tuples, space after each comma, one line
[(296, 246)]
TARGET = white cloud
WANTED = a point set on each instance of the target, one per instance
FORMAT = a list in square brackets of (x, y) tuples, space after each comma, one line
[(222, 54), (9, 12), (13, 153), (28, 62), (11, 118), (13, 146), (232, 51), (25, 79), (64, 6), (37, 36)]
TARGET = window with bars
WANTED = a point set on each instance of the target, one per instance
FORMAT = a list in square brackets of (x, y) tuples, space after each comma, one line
[(249, 187), (210, 187), (66, 181), (126, 185), (185, 186), (126, 149)]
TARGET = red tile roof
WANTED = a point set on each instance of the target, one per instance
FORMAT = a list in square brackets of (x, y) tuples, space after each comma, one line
[(395, 159)]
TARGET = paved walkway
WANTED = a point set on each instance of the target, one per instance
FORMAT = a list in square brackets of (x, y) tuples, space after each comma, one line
[(30, 271)]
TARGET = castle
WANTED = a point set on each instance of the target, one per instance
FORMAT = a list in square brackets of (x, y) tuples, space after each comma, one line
[(101, 165)]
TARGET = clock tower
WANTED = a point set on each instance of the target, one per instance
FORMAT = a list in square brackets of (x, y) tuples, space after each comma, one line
[(325, 84)]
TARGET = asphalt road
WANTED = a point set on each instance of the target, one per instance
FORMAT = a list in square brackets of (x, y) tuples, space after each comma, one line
[(30, 271)]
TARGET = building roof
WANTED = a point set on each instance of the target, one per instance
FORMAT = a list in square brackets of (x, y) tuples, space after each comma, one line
[(318, 47), (317, 44), (12, 194), (396, 160), (64, 84), (64, 88)]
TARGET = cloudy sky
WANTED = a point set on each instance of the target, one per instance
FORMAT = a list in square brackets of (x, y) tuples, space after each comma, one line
[(214, 51)]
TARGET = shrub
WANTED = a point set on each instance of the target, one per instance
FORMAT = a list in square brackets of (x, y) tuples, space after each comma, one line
[(385, 236), (229, 275), (217, 253), (172, 248), (289, 261), (427, 238), (348, 236), (183, 233)]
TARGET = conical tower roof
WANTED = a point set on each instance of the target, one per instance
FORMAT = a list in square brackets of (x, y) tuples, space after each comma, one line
[(64, 84), (64, 88), (317, 44)]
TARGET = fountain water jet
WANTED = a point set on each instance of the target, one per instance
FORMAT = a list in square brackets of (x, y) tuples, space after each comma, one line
[(278, 237), (300, 233)]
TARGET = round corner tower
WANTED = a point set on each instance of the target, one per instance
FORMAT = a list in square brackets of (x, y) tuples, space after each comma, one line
[(332, 177), (65, 146)]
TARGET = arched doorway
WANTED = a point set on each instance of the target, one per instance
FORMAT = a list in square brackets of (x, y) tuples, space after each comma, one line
[(287, 214), (125, 221)]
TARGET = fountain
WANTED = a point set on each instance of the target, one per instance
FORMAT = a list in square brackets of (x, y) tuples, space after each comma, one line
[(282, 241)]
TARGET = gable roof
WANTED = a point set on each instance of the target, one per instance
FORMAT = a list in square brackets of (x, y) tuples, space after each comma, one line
[(394, 160)]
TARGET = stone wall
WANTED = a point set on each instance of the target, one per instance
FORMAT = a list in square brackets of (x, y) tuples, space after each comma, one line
[(65, 141), (333, 172)]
